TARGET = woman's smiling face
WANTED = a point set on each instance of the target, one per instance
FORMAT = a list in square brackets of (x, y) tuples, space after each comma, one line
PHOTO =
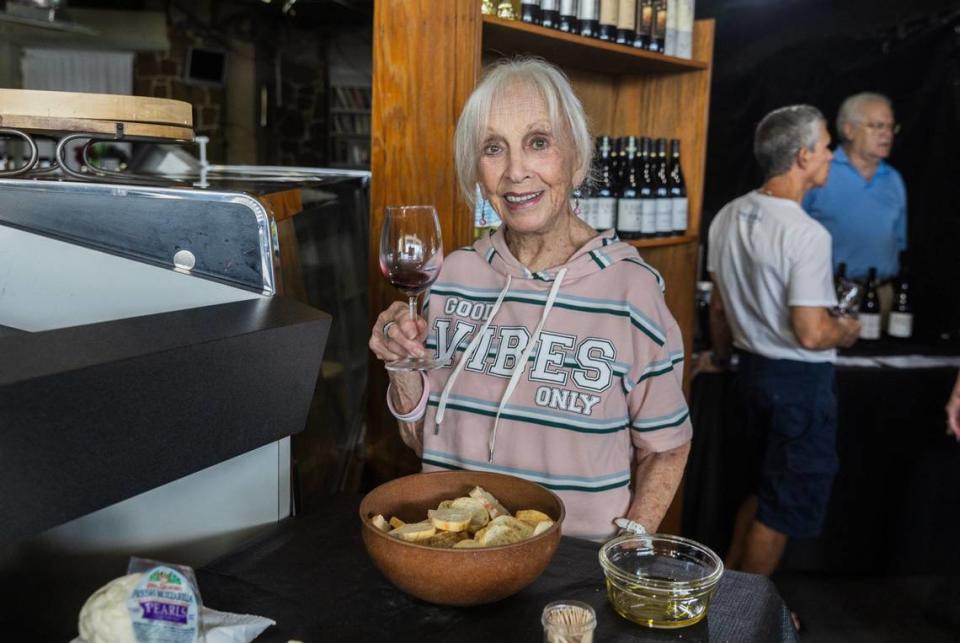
[(526, 167)]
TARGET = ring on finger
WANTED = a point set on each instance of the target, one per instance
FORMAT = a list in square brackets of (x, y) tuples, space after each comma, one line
[(386, 329)]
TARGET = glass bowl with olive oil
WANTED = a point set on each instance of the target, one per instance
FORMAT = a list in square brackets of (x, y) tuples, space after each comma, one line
[(658, 580)]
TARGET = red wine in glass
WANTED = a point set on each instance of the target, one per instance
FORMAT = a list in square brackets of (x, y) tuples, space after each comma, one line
[(411, 253), (411, 279)]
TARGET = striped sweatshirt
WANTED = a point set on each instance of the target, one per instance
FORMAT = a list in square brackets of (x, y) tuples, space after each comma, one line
[(556, 376)]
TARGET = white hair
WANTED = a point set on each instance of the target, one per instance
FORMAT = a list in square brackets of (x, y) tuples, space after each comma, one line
[(564, 108), (851, 111)]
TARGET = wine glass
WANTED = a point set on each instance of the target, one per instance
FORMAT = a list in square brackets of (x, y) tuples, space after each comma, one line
[(411, 253)]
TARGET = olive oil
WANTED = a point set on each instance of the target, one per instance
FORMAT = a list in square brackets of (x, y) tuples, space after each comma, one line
[(655, 607)]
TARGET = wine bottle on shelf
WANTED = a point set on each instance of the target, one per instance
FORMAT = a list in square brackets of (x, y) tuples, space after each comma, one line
[(605, 200), (505, 10), (685, 11), (530, 11), (619, 144), (678, 190), (900, 323), (648, 207), (626, 22), (659, 27), (670, 29), (568, 16), (644, 24), (550, 14), (608, 19), (628, 199), (870, 309), (661, 190), (588, 16)]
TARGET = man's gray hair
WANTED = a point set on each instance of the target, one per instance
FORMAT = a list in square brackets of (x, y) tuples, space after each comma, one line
[(784, 132), (567, 117), (851, 111)]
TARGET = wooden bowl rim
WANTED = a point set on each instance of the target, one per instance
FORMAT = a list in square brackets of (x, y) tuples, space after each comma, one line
[(465, 550)]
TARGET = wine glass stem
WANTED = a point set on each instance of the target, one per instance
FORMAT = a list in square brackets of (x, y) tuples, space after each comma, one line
[(413, 308)]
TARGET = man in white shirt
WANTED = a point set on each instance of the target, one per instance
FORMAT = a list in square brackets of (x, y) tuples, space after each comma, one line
[(773, 273)]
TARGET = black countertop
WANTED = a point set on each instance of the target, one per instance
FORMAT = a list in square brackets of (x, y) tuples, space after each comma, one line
[(91, 415)]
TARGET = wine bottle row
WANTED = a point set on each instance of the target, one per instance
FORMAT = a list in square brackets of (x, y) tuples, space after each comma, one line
[(663, 26), (900, 319), (636, 188)]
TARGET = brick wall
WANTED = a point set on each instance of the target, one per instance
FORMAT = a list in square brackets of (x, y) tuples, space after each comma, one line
[(161, 74)]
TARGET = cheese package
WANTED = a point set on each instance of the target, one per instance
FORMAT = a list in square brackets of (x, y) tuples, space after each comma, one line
[(160, 603)]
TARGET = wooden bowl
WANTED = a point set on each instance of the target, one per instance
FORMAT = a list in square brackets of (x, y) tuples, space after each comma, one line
[(458, 576)]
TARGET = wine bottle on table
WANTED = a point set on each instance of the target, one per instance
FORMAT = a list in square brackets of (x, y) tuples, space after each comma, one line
[(678, 190), (661, 190), (588, 16), (568, 16), (550, 14), (605, 201), (628, 199), (900, 323), (659, 27), (644, 24), (626, 22), (530, 11), (870, 309), (648, 207), (608, 19), (839, 277)]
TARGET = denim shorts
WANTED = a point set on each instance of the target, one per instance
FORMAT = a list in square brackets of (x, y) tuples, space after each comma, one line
[(791, 420)]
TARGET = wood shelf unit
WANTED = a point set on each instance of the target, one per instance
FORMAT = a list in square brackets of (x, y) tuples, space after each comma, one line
[(660, 242), (421, 80), (571, 51)]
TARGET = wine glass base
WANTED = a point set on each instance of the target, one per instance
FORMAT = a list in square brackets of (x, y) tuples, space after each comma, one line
[(416, 364)]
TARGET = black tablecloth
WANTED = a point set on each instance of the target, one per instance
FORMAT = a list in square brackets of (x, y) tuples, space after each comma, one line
[(313, 576), (895, 501)]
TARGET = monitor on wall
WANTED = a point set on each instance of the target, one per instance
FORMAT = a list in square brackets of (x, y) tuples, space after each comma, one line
[(205, 66)]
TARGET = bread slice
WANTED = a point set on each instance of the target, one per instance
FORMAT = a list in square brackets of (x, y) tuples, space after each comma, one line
[(451, 519), (445, 539), (380, 523), (415, 532), (478, 512), (494, 508), (494, 535), (542, 526), (531, 516), (523, 528)]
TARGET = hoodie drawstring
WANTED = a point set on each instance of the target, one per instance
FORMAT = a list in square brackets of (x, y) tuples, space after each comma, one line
[(518, 367), (521, 364), (471, 347)]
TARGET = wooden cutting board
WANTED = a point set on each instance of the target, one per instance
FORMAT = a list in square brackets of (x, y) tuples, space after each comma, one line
[(64, 112)]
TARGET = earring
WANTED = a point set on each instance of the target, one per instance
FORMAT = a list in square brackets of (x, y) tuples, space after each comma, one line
[(480, 208), (576, 202)]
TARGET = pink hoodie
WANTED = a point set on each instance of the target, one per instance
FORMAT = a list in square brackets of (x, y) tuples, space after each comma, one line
[(602, 373)]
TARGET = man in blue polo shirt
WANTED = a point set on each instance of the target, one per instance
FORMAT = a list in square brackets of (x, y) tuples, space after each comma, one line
[(864, 203)]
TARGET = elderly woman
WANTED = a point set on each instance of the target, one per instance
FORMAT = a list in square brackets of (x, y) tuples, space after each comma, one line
[(566, 363)]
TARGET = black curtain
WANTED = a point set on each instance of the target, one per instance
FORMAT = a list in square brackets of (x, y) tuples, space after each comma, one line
[(771, 53)]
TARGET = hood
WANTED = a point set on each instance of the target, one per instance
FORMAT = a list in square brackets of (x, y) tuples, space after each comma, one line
[(595, 255)]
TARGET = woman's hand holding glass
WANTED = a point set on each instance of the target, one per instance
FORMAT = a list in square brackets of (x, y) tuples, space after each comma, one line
[(411, 253), (397, 336)]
